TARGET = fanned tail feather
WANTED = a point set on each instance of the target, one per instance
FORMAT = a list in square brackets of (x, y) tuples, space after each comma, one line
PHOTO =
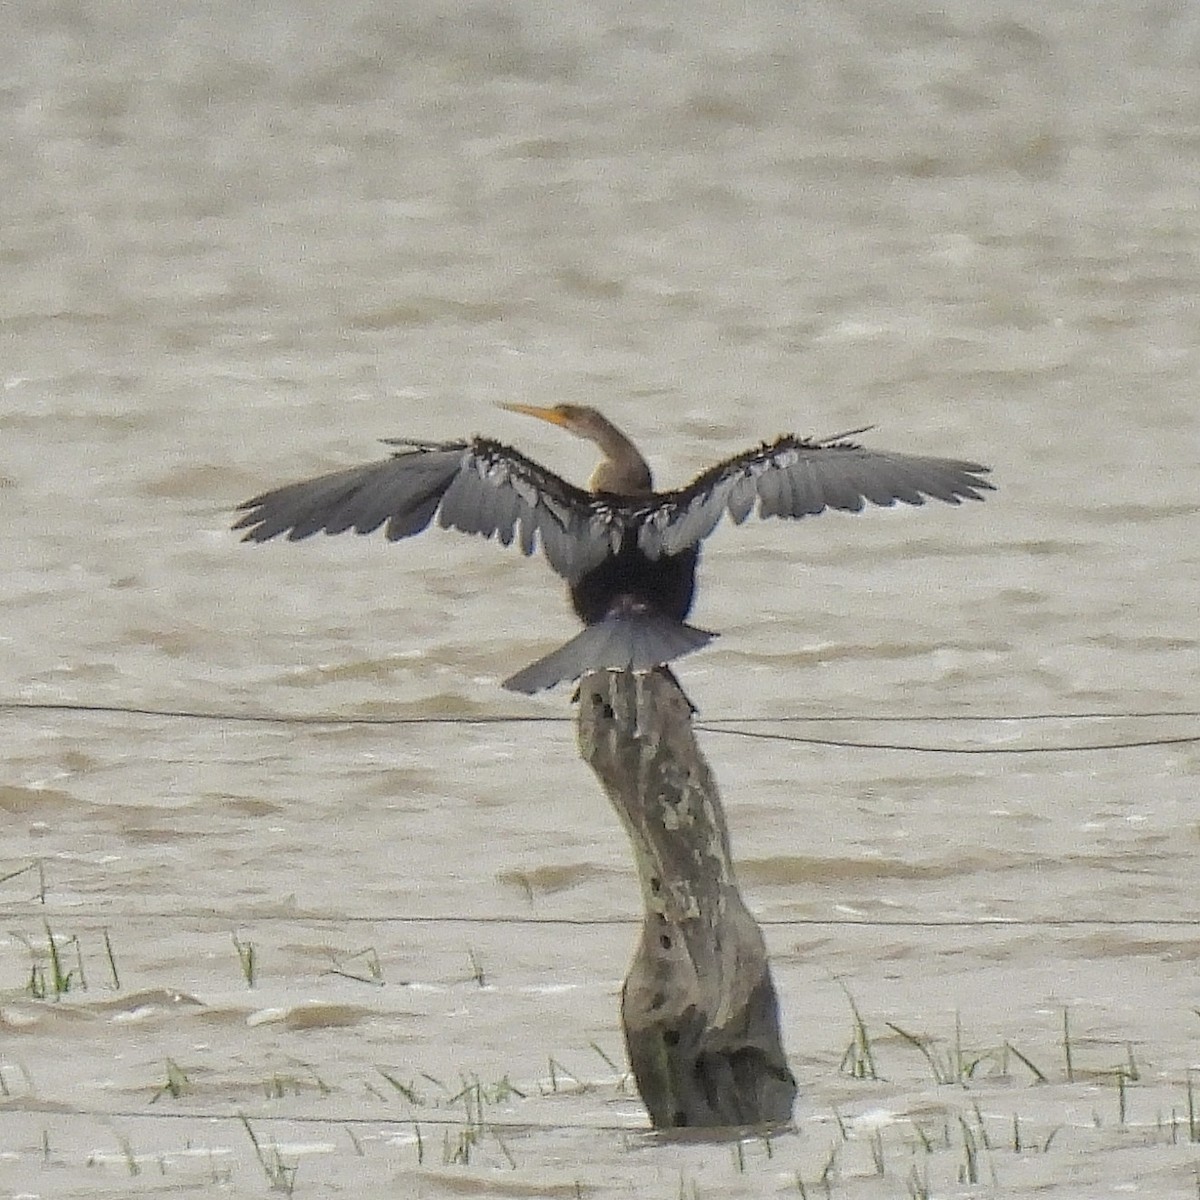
[(621, 642)]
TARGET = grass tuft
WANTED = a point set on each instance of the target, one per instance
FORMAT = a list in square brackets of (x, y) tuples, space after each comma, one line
[(917, 1183), (1038, 1075), (969, 1171), (1122, 1098), (877, 1156), (175, 1085), (1068, 1057), (49, 977), (476, 967), (57, 966), (556, 1068), (371, 970), (829, 1171), (947, 1070), (859, 1059), (407, 1090), (281, 1177), (247, 958), (35, 867), (131, 1163), (112, 962)]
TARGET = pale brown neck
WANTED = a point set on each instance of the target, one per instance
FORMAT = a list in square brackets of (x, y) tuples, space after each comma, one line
[(623, 470)]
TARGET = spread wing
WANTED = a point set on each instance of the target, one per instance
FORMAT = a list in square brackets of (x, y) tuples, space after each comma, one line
[(800, 477), (478, 487), (489, 489)]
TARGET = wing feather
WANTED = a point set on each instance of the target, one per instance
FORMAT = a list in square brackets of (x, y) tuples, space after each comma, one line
[(505, 514), (410, 522), (774, 494), (807, 497), (465, 502), (741, 498), (801, 477), (838, 485), (364, 508), (696, 521)]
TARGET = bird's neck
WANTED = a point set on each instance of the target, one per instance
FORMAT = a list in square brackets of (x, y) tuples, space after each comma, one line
[(623, 470)]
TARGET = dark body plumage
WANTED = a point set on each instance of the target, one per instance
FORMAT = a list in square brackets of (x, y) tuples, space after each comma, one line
[(627, 553), (667, 584)]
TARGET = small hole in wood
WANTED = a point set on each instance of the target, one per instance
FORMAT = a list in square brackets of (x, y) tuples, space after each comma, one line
[(665, 942), (671, 1037), (655, 884)]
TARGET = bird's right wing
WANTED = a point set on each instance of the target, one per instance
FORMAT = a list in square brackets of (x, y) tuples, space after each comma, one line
[(478, 486)]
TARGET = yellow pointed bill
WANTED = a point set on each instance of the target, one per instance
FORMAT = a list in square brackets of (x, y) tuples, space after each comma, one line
[(554, 415)]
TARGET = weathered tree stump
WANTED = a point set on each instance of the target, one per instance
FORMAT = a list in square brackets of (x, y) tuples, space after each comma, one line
[(698, 1006)]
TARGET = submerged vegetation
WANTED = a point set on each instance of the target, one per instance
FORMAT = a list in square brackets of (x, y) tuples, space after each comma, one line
[(923, 1108)]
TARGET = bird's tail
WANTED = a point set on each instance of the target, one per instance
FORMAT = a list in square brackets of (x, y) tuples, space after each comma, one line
[(623, 641)]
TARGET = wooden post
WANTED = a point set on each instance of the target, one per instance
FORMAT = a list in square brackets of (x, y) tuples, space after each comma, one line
[(698, 1006)]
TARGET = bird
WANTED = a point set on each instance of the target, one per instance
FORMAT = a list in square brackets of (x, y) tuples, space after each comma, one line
[(627, 552)]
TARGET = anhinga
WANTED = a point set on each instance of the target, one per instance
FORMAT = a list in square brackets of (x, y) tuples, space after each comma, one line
[(627, 552)]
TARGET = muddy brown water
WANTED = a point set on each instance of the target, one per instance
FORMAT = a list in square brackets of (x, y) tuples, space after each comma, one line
[(239, 246)]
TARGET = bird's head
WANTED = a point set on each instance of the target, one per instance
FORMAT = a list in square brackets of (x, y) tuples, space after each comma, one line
[(578, 419), (623, 470)]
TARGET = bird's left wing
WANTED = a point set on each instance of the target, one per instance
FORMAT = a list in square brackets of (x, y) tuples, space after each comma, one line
[(800, 477), (478, 487)]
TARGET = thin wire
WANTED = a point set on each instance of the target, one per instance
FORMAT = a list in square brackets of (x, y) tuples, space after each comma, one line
[(240, 1116), (717, 725), (503, 719), (104, 917), (1087, 747), (882, 718), (261, 718)]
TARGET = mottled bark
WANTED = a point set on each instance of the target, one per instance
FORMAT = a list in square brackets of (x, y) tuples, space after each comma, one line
[(698, 1006)]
